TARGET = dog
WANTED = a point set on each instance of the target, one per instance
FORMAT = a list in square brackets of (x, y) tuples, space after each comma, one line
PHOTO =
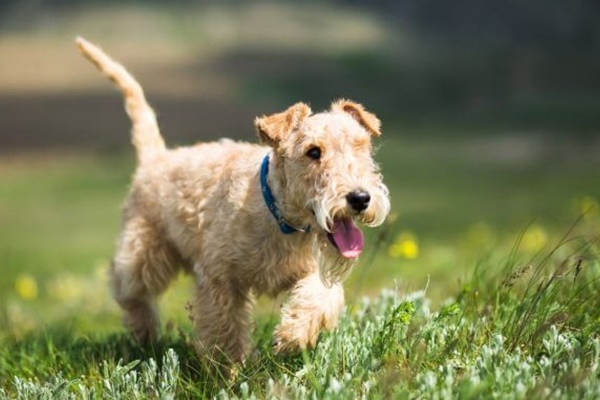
[(246, 220)]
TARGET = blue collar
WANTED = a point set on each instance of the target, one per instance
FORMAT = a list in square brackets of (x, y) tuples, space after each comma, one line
[(284, 225)]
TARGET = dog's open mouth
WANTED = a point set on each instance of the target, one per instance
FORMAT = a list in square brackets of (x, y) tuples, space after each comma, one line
[(346, 237)]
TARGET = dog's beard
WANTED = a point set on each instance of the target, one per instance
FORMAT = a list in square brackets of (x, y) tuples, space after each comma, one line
[(335, 265), (379, 207)]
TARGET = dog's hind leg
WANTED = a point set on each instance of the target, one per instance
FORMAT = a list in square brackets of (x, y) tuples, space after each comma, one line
[(143, 267), (221, 313)]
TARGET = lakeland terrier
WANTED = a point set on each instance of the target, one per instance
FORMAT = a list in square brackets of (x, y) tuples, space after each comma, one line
[(246, 219)]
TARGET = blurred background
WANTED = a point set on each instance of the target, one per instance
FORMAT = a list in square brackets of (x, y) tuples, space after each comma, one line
[(490, 111)]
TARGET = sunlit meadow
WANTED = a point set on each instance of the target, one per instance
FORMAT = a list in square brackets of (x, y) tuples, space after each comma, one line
[(477, 303), (483, 283)]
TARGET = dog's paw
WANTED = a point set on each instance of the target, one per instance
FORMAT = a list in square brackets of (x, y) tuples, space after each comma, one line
[(291, 336)]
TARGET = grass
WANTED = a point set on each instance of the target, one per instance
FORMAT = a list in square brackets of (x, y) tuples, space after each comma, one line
[(480, 286), (516, 333)]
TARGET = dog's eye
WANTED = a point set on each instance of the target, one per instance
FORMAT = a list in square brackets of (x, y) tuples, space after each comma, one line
[(314, 153)]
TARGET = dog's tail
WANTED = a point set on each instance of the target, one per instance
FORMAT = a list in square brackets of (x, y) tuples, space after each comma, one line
[(145, 132)]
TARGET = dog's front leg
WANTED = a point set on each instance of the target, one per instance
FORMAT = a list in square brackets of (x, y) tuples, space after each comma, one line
[(311, 307)]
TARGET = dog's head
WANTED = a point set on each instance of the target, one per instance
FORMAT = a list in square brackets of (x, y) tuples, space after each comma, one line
[(326, 174)]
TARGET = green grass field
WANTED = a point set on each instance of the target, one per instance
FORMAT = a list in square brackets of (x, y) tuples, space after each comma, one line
[(482, 284), (473, 262)]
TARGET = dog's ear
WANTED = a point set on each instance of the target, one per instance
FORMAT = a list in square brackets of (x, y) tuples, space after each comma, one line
[(369, 121), (274, 128)]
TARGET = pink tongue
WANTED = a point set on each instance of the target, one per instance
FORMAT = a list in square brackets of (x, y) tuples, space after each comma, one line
[(348, 238)]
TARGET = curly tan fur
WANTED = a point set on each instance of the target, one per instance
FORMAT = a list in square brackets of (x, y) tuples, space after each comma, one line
[(200, 209)]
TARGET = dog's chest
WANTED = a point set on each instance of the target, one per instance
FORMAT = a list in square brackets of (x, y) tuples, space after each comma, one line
[(277, 269)]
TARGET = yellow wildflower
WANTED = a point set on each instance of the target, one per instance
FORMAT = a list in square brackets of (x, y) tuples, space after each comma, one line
[(405, 246), (534, 238), (26, 287)]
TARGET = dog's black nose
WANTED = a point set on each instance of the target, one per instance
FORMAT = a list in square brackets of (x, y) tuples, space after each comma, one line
[(358, 200)]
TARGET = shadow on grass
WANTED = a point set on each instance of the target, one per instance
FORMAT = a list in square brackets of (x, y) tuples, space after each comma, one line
[(42, 355)]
